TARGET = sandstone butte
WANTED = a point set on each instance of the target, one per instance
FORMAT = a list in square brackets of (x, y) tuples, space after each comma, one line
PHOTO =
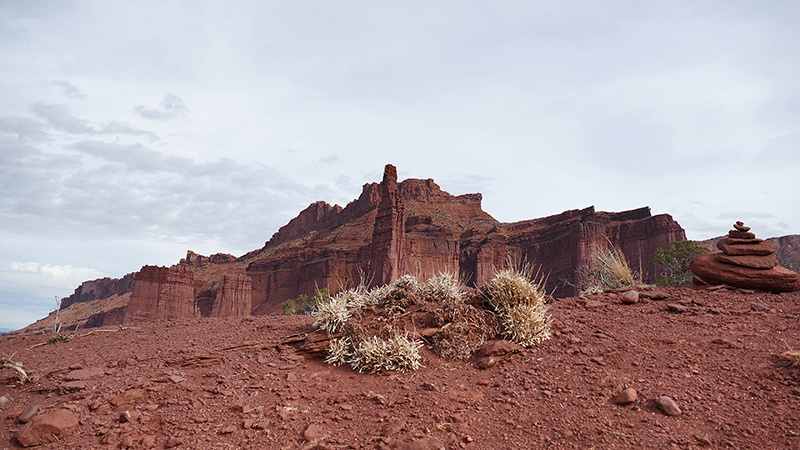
[(392, 229)]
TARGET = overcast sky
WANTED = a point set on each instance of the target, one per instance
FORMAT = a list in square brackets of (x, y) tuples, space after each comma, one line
[(131, 132)]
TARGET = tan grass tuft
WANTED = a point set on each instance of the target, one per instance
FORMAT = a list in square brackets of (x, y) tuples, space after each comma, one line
[(521, 304), (332, 314)]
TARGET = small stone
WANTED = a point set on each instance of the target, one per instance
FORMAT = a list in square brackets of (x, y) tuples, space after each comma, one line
[(291, 377), (741, 234), (149, 441), (174, 441), (739, 226), (128, 397), (73, 385), (3, 400), (629, 297), (313, 432), (653, 295), (230, 429), (702, 440), (421, 444), (668, 406), (626, 397), (28, 414), (84, 374), (677, 308), (175, 378), (492, 351), (392, 428), (428, 332)]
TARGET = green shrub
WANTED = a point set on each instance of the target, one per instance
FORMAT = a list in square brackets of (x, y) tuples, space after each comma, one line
[(301, 304), (675, 261)]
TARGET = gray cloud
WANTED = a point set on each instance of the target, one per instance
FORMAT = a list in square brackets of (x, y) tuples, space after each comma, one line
[(172, 107), (70, 90), (103, 190), (59, 117)]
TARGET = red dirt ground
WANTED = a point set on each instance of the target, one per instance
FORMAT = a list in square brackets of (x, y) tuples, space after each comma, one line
[(230, 384)]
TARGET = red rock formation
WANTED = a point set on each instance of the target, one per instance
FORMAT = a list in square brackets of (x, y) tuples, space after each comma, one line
[(388, 233), (745, 262), (234, 295), (414, 227), (196, 260), (107, 318), (161, 293), (392, 229), (98, 289)]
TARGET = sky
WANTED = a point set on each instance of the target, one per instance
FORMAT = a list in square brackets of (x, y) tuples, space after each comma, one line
[(131, 132)]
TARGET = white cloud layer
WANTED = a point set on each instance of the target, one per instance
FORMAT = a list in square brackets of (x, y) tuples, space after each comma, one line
[(130, 132)]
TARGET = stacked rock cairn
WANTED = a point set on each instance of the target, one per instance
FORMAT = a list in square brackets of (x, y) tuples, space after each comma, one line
[(745, 262), (742, 248)]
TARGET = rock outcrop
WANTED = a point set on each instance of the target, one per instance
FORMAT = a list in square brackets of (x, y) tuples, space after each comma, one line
[(393, 228), (99, 288), (161, 293), (234, 295), (388, 233), (415, 227), (745, 262)]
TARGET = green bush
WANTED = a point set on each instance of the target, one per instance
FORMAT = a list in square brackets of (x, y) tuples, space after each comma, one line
[(301, 304), (675, 261)]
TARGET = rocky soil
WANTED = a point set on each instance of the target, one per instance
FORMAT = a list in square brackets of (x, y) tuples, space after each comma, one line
[(600, 382)]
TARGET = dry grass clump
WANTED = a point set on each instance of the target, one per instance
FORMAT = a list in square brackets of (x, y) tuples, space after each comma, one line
[(7, 363), (360, 347), (614, 270), (463, 327), (332, 314), (521, 304), (375, 354), (607, 270), (371, 329)]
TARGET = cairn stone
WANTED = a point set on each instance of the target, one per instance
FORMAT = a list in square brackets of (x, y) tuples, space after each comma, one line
[(739, 226), (745, 262)]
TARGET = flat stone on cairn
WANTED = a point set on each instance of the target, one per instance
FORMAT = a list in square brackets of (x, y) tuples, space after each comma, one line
[(745, 262)]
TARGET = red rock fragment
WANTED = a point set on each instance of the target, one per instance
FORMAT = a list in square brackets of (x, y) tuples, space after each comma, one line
[(48, 427)]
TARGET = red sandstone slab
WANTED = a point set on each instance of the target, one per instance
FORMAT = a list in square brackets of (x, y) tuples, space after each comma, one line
[(755, 262), (762, 248), (777, 279)]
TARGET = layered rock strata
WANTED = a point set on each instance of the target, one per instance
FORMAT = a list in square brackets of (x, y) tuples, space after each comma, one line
[(414, 227), (747, 262), (393, 228)]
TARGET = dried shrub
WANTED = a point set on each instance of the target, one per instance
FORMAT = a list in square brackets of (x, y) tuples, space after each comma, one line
[(521, 304), (607, 270), (331, 314)]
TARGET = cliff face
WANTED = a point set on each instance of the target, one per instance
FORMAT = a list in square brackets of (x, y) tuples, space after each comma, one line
[(414, 227), (393, 228), (234, 295), (161, 293), (100, 288)]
